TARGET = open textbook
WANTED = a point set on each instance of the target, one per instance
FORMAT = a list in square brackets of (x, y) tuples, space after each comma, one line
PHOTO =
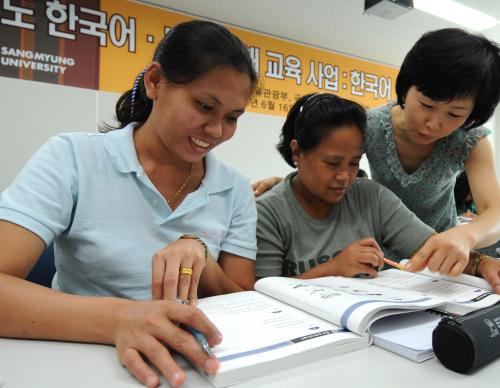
[(262, 335), (460, 294), (411, 335), (287, 321)]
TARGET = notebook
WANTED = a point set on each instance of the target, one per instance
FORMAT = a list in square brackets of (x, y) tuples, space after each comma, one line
[(409, 335)]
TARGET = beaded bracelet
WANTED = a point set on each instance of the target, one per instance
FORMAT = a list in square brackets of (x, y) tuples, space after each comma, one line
[(194, 237)]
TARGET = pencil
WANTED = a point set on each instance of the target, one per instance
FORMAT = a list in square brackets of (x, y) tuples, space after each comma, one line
[(394, 264)]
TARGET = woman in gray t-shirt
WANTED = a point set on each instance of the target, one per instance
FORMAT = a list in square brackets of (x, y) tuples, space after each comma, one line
[(320, 220)]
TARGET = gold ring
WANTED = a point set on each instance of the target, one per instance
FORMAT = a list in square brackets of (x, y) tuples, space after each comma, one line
[(186, 271)]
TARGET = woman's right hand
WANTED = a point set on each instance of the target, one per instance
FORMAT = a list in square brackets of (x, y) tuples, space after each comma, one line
[(260, 187), (143, 330), (489, 269), (358, 258)]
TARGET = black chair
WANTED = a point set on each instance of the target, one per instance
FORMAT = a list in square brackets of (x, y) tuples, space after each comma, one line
[(44, 270)]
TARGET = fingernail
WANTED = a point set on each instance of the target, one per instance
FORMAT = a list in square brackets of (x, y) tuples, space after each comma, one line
[(408, 265), (211, 365), (176, 378), (152, 381), (216, 338)]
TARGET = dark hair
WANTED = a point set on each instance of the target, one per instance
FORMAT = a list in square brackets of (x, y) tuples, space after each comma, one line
[(362, 174), (311, 119), (451, 63), (462, 192), (186, 53)]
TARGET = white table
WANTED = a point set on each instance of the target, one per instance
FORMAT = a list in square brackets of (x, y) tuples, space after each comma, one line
[(25, 364)]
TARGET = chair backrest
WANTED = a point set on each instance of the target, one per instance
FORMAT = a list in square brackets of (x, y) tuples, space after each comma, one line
[(44, 270)]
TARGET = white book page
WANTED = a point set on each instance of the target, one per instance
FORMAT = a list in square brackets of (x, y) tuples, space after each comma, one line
[(412, 332), (257, 328), (347, 302), (464, 279), (468, 280), (460, 298)]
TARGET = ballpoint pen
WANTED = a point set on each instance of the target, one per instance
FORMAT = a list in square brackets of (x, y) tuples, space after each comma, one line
[(198, 336)]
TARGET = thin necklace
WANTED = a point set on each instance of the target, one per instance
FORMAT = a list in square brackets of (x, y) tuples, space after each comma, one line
[(169, 201)]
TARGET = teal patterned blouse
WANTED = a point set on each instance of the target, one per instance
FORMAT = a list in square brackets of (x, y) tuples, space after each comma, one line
[(428, 191)]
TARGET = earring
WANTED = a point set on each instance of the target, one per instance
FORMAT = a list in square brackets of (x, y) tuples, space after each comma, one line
[(295, 163)]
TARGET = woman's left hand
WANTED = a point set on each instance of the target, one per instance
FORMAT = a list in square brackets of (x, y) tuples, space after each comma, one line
[(176, 270), (446, 253), (489, 269)]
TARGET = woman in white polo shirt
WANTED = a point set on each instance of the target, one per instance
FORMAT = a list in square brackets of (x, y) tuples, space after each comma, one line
[(138, 212)]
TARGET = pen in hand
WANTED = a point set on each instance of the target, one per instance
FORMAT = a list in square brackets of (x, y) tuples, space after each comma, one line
[(198, 336)]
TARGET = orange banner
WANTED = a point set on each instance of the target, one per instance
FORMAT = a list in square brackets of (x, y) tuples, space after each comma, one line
[(104, 45)]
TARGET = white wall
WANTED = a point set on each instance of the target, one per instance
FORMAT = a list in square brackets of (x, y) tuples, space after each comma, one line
[(34, 111)]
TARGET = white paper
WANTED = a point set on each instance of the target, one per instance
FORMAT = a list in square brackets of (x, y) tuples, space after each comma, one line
[(407, 334), (258, 331), (460, 298), (347, 302)]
